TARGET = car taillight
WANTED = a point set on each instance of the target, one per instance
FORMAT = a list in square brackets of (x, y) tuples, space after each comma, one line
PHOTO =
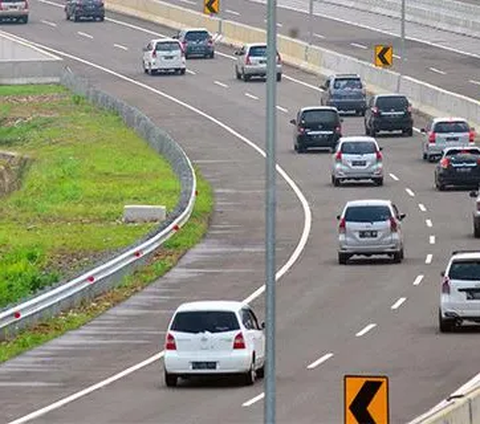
[(379, 156), (170, 342), (338, 156), (431, 137), (471, 136), (375, 110), (445, 163), (301, 130), (210, 41), (183, 44), (25, 5), (446, 286), (247, 60), (393, 225), (409, 109), (1, 6), (478, 206), (342, 227), (154, 53), (279, 58), (338, 130), (239, 342)]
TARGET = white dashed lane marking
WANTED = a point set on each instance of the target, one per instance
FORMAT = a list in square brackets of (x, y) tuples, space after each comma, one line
[(320, 361), (437, 71), (52, 24), (422, 207), (282, 109), (319, 36), (431, 239), (232, 12), (428, 259), (251, 96), (365, 330), (191, 72), (475, 82), (84, 34), (119, 46), (221, 84), (398, 303), (359, 46), (254, 400), (418, 280), (429, 223), (410, 192), (394, 177)]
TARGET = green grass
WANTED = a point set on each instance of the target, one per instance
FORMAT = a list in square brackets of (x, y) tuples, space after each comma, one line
[(85, 166), (165, 258)]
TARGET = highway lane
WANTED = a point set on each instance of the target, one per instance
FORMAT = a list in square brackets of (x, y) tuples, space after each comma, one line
[(355, 33), (308, 308)]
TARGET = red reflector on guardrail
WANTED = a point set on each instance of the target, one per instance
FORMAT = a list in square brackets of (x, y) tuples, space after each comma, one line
[(176, 227), (91, 279), (138, 253), (17, 315)]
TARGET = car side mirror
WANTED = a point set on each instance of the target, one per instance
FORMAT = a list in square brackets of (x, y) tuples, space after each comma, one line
[(380, 148), (341, 119), (338, 217), (423, 130), (473, 194), (402, 216), (262, 325), (442, 273), (473, 129), (293, 122), (237, 53)]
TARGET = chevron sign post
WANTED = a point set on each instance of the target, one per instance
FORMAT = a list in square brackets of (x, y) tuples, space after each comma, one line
[(211, 7)]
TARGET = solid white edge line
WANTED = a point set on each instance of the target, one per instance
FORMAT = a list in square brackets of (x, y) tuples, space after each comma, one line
[(418, 280), (253, 400), (410, 192), (307, 224), (320, 361), (394, 177), (431, 239), (428, 259), (429, 223), (398, 303), (366, 329), (422, 207)]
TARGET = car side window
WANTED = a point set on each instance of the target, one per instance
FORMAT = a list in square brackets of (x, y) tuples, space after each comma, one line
[(396, 211), (370, 102), (254, 319), (247, 320)]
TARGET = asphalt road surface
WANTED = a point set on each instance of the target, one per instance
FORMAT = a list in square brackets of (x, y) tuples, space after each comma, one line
[(354, 313)]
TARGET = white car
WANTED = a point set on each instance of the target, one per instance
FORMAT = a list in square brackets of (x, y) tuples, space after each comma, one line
[(164, 55), (460, 297), (252, 62), (214, 338)]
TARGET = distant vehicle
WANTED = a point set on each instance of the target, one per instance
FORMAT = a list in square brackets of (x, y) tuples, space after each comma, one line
[(164, 55), (214, 338), (459, 166), (85, 9), (346, 92), (14, 10), (370, 227), (196, 42), (476, 213), (460, 295), (441, 133), (388, 112), (357, 158), (316, 127), (252, 62)]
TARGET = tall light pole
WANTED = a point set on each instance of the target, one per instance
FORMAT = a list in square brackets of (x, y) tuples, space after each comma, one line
[(270, 213), (310, 23), (402, 46)]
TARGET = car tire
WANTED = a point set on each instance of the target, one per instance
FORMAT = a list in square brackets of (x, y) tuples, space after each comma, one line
[(67, 16), (373, 132), (342, 258), (367, 131), (211, 55), (102, 18), (439, 186), (301, 149), (445, 325), (431, 158), (476, 230), (261, 372), (76, 17), (424, 156), (409, 132), (245, 77), (182, 71), (171, 380), (249, 376), (402, 254), (378, 181), (238, 74), (279, 77), (397, 257), (145, 70), (335, 182)]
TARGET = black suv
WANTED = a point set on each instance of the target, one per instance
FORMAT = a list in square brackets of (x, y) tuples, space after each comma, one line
[(78, 9), (389, 112), (316, 127), (459, 166)]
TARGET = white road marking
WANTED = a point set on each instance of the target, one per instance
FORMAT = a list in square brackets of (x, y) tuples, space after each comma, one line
[(282, 109), (188, 2), (84, 34), (297, 252), (396, 56), (251, 96), (189, 71), (232, 12), (437, 71), (119, 46), (318, 35), (431, 239), (305, 84), (254, 400), (394, 177), (359, 46), (279, 25), (365, 330), (320, 361), (410, 192), (429, 223), (475, 82), (398, 303), (221, 84), (428, 259), (422, 207), (52, 24), (418, 280)]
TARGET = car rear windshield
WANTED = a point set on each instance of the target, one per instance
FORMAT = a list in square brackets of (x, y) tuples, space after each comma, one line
[(465, 270), (197, 35), (393, 102), (258, 51), (367, 213), (358, 147), (451, 126), (323, 116), (347, 84), (202, 321), (167, 46), (462, 152)]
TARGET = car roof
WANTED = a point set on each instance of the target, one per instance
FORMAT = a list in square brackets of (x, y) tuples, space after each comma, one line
[(194, 29), (162, 40), (378, 96), (465, 255), (211, 305), (255, 45), (462, 148), (448, 119), (355, 138), (307, 108), (369, 202), (345, 76)]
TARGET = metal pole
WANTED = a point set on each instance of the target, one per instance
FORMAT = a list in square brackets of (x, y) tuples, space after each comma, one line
[(402, 46), (220, 15), (310, 23), (270, 213)]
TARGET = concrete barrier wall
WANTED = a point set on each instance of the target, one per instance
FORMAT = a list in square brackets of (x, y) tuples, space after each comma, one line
[(33, 71)]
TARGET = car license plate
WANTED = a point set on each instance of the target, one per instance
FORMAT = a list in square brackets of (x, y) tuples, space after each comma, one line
[(168, 57), (204, 365), (452, 138), (464, 170), (368, 234), (358, 163), (262, 62)]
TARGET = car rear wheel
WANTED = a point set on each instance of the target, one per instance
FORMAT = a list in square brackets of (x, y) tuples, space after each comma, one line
[(342, 258), (476, 230), (238, 74), (170, 379), (424, 156), (182, 71), (409, 132), (249, 376), (246, 77), (439, 186), (261, 372), (335, 181), (445, 325), (367, 131), (279, 77), (378, 181), (398, 256)]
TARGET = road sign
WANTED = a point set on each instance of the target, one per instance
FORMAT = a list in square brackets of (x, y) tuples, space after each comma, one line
[(366, 399), (211, 7), (383, 56)]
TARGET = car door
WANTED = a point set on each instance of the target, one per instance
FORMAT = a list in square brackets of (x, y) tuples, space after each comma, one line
[(147, 51), (368, 113), (324, 95), (254, 334), (396, 214), (241, 58), (259, 337)]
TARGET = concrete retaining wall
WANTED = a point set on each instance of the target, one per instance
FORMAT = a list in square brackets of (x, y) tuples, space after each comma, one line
[(33, 71)]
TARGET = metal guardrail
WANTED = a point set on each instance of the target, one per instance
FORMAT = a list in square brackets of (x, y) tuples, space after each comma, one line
[(95, 280)]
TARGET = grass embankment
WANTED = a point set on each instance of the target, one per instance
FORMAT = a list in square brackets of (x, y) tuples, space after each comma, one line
[(72, 194)]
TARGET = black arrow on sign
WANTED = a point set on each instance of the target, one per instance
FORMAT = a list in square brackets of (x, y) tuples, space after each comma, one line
[(381, 55), (359, 406), (210, 7)]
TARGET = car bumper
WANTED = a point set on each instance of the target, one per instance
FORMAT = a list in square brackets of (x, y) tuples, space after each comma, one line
[(199, 50), (369, 249), (328, 141), (233, 363), (386, 124), (462, 179), (165, 66), (91, 13), (354, 174), (13, 14), (259, 70), (469, 311), (347, 105)]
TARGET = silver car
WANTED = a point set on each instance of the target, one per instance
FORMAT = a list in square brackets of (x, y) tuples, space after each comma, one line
[(445, 132), (252, 62), (370, 227), (357, 158), (16, 10)]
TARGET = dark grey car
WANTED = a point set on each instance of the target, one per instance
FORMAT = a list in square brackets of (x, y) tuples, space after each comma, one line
[(196, 42), (346, 92), (81, 9)]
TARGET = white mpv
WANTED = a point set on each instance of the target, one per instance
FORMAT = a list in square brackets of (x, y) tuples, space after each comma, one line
[(214, 338), (460, 297), (164, 55)]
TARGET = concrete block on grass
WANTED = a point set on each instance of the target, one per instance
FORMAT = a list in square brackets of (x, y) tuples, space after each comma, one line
[(144, 213)]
